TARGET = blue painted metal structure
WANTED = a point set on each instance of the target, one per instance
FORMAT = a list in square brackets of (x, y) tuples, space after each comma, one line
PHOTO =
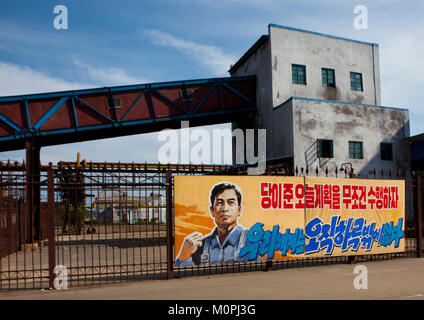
[(81, 115), (417, 151)]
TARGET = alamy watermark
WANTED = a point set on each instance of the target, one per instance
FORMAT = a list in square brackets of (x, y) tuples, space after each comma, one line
[(61, 279), (361, 280), (207, 148), (61, 20), (361, 20)]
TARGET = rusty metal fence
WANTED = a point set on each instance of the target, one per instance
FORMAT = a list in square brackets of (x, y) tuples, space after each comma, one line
[(103, 223), (21, 248)]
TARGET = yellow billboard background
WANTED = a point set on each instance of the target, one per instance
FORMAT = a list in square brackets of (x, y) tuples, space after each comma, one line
[(379, 216), (191, 203)]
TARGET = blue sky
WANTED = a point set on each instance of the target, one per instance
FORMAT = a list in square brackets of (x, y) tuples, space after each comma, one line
[(127, 42)]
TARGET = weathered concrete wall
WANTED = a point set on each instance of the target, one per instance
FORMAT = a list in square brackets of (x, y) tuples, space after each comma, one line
[(282, 140), (343, 122), (315, 51), (259, 64)]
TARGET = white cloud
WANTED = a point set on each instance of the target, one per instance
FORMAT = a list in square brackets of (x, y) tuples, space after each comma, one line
[(17, 80), (210, 56), (107, 76)]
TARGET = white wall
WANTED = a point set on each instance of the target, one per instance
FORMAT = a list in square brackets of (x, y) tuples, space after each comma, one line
[(259, 64), (319, 51), (349, 122)]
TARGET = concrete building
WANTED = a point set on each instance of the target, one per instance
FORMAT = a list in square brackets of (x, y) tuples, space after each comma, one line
[(319, 98), (417, 152), (119, 207)]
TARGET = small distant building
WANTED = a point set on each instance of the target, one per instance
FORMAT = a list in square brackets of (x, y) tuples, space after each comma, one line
[(119, 207)]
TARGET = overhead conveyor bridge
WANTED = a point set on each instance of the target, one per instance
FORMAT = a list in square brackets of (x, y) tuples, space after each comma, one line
[(82, 115)]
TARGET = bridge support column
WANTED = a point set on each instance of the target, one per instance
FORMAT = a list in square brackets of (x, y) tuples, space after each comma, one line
[(33, 194)]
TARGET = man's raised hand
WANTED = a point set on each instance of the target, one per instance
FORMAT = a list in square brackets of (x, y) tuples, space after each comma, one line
[(191, 243)]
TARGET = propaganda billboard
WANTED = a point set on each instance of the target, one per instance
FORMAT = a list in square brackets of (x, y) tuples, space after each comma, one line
[(225, 219)]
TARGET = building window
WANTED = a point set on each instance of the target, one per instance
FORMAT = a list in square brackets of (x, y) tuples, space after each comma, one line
[(325, 148), (298, 74), (187, 95), (113, 102), (386, 151), (328, 78), (355, 150), (356, 81)]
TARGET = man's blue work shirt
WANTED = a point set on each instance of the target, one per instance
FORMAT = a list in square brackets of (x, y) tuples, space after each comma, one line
[(212, 252)]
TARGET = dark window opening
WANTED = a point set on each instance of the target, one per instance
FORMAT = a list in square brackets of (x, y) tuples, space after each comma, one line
[(187, 95), (386, 151), (113, 102), (325, 148)]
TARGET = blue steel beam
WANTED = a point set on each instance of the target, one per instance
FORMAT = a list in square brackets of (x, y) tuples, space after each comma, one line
[(74, 112), (151, 102), (27, 118), (50, 112), (70, 93), (10, 123), (204, 98), (169, 101), (133, 104), (94, 109), (239, 94)]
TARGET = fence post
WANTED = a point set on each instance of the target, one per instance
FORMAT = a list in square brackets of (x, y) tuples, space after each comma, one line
[(419, 218), (33, 188), (169, 227), (268, 263), (50, 225)]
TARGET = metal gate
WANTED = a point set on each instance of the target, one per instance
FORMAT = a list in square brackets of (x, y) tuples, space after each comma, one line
[(101, 223)]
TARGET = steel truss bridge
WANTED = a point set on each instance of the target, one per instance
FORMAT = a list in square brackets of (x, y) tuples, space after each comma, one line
[(81, 115)]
